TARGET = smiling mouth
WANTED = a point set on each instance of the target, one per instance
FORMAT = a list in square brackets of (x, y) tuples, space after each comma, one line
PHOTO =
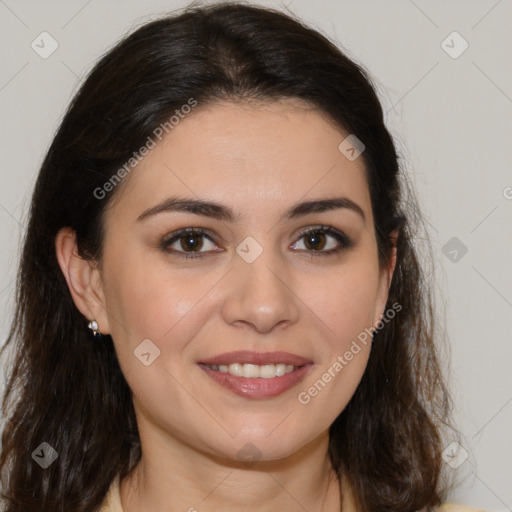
[(256, 381), (265, 371), (256, 375)]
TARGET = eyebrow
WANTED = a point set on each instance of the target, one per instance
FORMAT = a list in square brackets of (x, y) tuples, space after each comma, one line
[(225, 213)]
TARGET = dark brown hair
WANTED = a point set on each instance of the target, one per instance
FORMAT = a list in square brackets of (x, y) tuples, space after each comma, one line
[(68, 390)]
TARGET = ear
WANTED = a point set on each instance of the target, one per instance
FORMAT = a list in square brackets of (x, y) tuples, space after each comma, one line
[(386, 277), (83, 279)]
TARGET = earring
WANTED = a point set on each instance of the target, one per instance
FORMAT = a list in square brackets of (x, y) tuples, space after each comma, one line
[(93, 325)]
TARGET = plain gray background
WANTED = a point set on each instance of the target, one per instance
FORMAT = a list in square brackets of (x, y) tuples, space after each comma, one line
[(449, 112)]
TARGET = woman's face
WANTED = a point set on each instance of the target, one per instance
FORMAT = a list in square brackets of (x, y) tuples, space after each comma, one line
[(254, 289)]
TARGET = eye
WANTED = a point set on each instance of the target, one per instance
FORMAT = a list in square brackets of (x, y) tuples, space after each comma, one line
[(194, 242), (316, 240), (188, 242)]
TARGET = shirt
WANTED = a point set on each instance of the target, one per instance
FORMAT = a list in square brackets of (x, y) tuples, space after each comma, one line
[(112, 502)]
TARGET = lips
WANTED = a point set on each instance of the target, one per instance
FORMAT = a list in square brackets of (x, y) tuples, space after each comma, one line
[(259, 358), (257, 388)]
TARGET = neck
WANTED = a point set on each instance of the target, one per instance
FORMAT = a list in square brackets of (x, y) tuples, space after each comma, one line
[(174, 475)]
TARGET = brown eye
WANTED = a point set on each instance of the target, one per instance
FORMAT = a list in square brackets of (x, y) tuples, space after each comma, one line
[(191, 241), (315, 240), (323, 240), (187, 243)]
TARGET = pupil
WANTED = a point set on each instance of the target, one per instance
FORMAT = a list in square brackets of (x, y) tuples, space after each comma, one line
[(191, 241), (313, 239)]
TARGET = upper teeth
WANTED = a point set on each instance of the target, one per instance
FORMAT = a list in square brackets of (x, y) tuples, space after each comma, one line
[(266, 371)]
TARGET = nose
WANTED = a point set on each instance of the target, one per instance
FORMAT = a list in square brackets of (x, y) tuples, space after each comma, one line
[(260, 294)]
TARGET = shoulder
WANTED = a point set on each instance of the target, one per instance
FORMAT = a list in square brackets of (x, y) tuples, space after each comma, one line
[(458, 508)]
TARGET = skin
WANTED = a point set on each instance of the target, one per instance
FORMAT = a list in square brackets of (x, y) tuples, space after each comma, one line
[(258, 159)]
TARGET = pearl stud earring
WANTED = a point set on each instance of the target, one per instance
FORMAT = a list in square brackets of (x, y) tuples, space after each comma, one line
[(93, 325)]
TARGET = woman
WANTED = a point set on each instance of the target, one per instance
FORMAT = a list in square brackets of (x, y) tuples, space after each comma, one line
[(219, 302)]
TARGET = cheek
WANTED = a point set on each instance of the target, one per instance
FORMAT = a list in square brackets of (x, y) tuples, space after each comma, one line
[(147, 301), (344, 300), (345, 309)]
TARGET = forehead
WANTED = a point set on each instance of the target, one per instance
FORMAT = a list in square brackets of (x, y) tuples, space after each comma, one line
[(256, 157)]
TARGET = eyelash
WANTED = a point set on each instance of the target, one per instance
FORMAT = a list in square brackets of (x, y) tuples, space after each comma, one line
[(339, 236)]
